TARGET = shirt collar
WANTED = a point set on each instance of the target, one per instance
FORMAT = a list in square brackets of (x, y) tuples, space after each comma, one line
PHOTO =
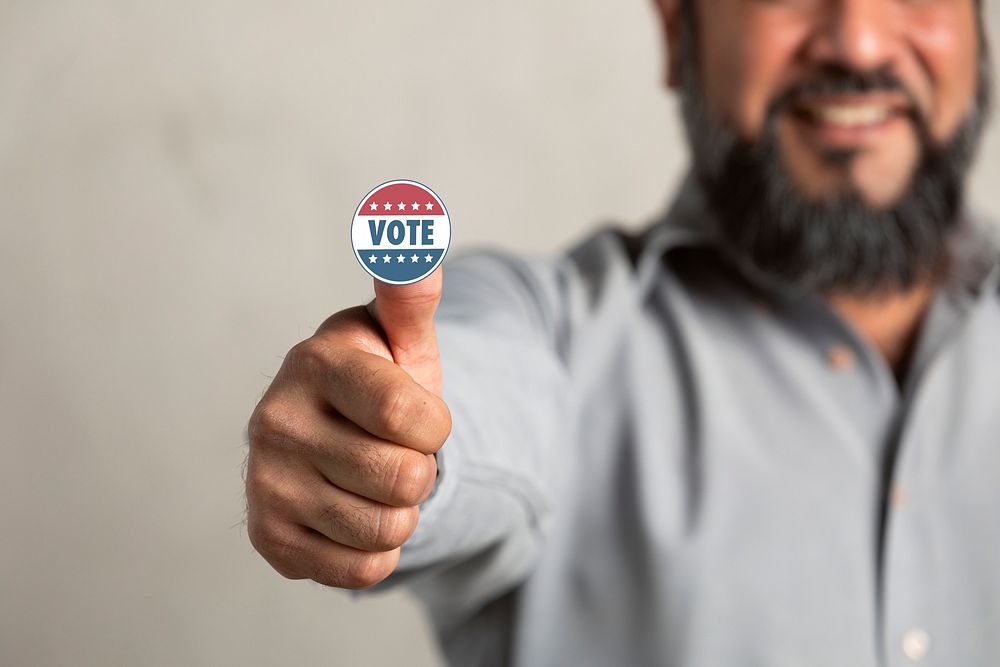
[(682, 224)]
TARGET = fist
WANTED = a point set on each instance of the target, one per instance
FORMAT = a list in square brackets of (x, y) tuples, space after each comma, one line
[(342, 443)]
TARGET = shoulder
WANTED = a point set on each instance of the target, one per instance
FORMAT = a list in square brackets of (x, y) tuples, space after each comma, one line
[(975, 249), (598, 284), (610, 255), (606, 260)]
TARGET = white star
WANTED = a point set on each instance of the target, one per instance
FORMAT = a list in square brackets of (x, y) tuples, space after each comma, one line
[(386, 258), (414, 258), (400, 259), (387, 206), (374, 206), (416, 206), (428, 258), (402, 206), (429, 206), (372, 259)]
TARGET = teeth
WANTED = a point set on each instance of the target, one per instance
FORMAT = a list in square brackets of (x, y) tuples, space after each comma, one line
[(852, 116)]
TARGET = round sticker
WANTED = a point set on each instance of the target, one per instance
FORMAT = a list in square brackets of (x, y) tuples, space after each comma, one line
[(401, 232)]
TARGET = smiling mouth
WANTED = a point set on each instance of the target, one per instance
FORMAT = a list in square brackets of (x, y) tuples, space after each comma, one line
[(851, 115), (849, 121)]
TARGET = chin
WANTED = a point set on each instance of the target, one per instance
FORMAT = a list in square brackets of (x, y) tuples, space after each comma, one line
[(882, 190), (850, 176)]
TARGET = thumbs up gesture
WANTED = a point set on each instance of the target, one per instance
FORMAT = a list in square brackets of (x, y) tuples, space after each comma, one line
[(342, 443)]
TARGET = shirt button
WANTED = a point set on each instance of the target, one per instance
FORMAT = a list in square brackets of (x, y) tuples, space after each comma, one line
[(915, 644), (897, 497), (839, 357)]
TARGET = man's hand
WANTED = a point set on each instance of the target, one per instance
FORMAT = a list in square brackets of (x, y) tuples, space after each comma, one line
[(342, 443)]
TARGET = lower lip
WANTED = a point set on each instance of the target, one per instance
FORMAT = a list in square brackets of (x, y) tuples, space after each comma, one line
[(845, 136)]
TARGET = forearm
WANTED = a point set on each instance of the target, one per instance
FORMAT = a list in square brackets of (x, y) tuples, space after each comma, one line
[(508, 391)]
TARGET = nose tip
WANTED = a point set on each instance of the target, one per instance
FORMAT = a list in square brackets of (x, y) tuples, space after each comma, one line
[(856, 33)]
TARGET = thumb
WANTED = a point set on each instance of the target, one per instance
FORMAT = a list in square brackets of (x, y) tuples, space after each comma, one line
[(406, 314)]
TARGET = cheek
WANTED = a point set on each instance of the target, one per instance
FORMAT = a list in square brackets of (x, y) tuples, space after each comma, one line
[(946, 40), (747, 58)]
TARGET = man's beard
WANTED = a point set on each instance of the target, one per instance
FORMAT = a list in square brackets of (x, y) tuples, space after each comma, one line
[(773, 231)]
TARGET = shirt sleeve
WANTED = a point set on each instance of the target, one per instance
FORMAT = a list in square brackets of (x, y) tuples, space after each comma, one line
[(505, 380)]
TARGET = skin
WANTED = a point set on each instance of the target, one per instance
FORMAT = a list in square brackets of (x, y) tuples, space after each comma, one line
[(342, 443), (751, 50)]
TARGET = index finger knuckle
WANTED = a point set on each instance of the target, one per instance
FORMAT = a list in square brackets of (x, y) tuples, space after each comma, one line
[(311, 358)]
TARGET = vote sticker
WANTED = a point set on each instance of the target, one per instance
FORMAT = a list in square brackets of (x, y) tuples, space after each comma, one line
[(401, 232)]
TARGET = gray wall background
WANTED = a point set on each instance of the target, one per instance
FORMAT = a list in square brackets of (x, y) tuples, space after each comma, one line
[(176, 185)]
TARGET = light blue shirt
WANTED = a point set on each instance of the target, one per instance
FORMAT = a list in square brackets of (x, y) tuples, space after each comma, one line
[(655, 461)]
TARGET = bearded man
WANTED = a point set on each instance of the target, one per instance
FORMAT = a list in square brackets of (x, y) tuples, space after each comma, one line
[(765, 430)]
